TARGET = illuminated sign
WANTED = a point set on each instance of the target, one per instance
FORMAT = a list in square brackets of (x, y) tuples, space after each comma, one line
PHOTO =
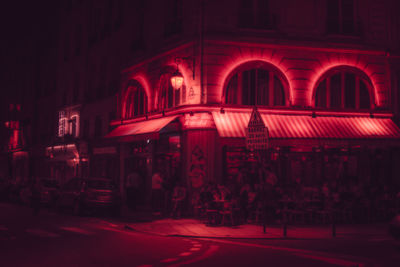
[(256, 132)]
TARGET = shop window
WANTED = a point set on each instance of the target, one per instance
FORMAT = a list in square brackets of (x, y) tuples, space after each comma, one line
[(167, 97), (340, 17), (343, 89), (73, 126), (135, 101), (61, 123), (255, 14), (256, 86)]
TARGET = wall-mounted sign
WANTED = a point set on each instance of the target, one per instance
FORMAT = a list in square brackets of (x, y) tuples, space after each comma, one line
[(257, 137)]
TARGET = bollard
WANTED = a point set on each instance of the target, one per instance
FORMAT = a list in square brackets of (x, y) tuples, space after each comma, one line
[(285, 223), (284, 229), (333, 225), (333, 229)]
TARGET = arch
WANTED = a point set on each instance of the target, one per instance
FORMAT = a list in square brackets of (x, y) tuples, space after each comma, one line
[(165, 95), (342, 77), (135, 100), (273, 76)]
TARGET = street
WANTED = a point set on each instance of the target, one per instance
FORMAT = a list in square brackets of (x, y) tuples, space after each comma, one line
[(54, 239)]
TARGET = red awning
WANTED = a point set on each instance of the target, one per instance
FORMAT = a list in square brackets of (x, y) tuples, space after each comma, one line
[(233, 124), (140, 130)]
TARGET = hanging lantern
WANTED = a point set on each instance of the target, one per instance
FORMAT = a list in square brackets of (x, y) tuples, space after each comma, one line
[(176, 80)]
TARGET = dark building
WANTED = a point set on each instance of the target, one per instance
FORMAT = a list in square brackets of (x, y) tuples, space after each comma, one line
[(324, 76)]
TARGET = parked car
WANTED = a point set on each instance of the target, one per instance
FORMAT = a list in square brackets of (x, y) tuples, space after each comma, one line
[(49, 191), (4, 188), (83, 195)]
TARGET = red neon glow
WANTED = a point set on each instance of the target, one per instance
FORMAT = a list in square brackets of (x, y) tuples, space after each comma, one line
[(197, 120), (331, 65), (141, 127), (232, 124), (176, 81), (247, 56), (306, 81), (142, 79)]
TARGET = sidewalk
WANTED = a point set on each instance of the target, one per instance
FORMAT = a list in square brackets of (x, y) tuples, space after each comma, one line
[(144, 222)]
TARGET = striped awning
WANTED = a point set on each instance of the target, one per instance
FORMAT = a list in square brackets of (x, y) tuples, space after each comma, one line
[(233, 124), (140, 130)]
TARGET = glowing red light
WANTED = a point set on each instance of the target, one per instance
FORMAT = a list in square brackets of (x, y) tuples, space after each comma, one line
[(176, 80)]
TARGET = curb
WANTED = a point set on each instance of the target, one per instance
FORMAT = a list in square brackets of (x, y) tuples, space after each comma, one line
[(128, 227)]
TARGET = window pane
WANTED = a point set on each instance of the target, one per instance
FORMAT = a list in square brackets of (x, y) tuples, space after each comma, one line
[(252, 87), (348, 16), (365, 102), (262, 87), (350, 90), (170, 95), (332, 16), (320, 97), (246, 13), (231, 91), (263, 14), (279, 96), (246, 88), (335, 90)]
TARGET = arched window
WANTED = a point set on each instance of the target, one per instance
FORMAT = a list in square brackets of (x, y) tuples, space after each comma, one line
[(343, 88), (135, 101), (256, 84), (167, 97)]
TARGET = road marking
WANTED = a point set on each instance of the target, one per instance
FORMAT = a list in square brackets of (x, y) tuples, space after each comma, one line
[(41, 233), (76, 230), (169, 260), (331, 260), (184, 254), (298, 252), (213, 249)]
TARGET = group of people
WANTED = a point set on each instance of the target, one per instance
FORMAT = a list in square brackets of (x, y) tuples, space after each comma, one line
[(257, 195)]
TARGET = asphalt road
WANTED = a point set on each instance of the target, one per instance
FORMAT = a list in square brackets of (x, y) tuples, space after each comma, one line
[(53, 239)]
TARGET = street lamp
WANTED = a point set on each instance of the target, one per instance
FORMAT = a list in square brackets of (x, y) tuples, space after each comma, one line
[(177, 77)]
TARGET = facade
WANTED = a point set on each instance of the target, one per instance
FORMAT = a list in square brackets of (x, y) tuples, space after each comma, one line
[(323, 75), (325, 84)]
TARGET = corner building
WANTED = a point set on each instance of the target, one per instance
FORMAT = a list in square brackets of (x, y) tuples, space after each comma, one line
[(327, 104), (324, 75)]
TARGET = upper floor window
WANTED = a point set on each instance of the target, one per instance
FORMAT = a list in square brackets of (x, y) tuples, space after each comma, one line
[(167, 97), (340, 17), (174, 17), (255, 14), (260, 85), (344, 89), (135, 101), (68, 123)]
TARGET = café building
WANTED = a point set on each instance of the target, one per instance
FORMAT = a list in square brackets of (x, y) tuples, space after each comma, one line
[(326, 111)]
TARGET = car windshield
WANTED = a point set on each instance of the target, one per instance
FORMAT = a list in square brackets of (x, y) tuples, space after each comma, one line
[(100, 184)]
